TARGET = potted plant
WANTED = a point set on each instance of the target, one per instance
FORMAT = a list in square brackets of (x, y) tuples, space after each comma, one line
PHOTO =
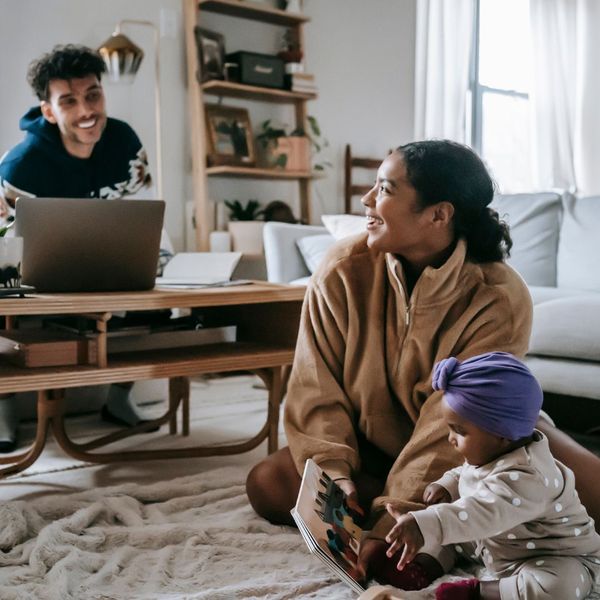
[(291, 151), (291, 51), (11, 255), (244, 227), (240, 212)]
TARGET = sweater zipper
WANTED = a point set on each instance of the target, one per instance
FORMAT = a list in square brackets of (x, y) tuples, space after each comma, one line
[(406, 304)]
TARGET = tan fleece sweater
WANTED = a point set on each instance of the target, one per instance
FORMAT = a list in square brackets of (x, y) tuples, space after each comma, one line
[(365, 353)]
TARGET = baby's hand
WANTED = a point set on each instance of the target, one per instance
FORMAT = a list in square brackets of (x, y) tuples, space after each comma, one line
[(407, 532), (435, 494)]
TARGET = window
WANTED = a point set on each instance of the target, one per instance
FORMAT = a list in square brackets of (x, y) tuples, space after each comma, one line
[(500, 81)]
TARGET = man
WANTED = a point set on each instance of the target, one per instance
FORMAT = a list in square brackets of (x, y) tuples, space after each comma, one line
[(71, 150)]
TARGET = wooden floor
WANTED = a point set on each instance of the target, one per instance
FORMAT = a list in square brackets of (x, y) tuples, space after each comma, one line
[(222, 410)]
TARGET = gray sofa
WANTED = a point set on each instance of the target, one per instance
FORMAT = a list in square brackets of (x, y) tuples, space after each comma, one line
[(556, 250)]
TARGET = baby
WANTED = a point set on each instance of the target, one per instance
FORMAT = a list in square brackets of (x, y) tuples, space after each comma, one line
[(510, 505)]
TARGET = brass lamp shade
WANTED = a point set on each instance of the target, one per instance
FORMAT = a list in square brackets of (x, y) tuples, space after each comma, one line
[(122, 57)]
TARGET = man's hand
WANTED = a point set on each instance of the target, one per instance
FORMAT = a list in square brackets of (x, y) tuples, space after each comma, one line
[(407, 532), (436, 494), (4, 208)]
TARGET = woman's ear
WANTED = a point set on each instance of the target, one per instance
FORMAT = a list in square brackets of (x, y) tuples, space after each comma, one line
[(47, 112), (443, 213)]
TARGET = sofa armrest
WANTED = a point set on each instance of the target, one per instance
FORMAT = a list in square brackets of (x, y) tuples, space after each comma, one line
[(284, 261)]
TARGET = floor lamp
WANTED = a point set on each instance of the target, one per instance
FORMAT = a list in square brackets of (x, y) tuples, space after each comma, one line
[(123, 59)]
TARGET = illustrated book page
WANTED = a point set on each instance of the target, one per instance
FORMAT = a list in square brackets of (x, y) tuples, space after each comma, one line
[(331, 529)]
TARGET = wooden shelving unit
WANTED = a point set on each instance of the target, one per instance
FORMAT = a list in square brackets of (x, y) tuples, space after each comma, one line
[(231, 89), (254, 11), (257, 173), (243, 9)]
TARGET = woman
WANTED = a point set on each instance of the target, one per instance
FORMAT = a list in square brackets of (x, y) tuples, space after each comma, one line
[(428, 281)]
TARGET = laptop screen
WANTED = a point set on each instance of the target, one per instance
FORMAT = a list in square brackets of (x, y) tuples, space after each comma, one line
[(89, 245)]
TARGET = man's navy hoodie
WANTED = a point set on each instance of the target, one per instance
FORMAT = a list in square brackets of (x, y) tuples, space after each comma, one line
[(40, 165)]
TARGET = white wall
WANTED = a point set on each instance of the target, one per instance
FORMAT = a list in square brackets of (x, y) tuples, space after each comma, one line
[(362, 55)]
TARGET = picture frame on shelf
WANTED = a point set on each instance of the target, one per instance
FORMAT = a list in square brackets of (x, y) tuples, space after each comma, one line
[(229, 136), (211, 54)]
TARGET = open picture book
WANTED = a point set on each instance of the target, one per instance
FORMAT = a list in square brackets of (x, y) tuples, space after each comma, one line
[(331, 529)]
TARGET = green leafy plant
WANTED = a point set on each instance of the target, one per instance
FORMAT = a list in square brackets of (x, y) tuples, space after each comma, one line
[(317, 141), (250, 211), (268, 136), (270, 133), (5, 228)]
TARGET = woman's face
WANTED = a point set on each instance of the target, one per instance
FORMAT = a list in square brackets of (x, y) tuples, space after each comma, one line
[(395, 223)]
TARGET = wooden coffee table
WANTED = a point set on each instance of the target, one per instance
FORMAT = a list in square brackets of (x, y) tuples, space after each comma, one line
[(266, 315)]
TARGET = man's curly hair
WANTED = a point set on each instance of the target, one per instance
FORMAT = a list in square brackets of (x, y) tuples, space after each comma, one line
[(70, 61)]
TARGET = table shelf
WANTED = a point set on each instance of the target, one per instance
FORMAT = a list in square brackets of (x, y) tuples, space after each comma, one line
[(149, 364)]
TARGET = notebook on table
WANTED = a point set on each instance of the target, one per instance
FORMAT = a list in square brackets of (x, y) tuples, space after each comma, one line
[(200, 269), (88, 244)]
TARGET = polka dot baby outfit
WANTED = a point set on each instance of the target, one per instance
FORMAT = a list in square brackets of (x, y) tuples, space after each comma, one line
[(525, 520)]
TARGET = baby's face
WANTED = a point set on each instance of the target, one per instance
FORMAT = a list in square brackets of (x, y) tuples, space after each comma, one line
[(476, 445)]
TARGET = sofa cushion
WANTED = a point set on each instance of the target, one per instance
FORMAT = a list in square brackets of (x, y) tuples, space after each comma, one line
[(579, 244), (313, 248), (568, 327), (300, 281), (283, 258), (341, 226), (566, 377), (541, 294), (534, 221)]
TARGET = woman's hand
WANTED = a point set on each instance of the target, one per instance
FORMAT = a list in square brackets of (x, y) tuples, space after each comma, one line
[(436, 494), (349, 488), (407, 532)]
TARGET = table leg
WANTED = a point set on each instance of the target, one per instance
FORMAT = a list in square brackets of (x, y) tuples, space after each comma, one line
[(51, 408), (274, 381), (185, 406), (173, 402), (48, 405), (179, 391)]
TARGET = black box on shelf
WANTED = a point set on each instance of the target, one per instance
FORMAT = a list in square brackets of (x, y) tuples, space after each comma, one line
[(258, 69)]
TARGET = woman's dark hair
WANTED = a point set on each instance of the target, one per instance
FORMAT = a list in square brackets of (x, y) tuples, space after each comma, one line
[(444, 171), (63, 62)]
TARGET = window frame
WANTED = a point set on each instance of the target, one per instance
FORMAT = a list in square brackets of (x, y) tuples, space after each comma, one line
[(477, 90)]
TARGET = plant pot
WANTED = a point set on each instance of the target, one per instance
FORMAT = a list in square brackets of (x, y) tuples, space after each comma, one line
[(11, 255), (246, 236), (295, 148)]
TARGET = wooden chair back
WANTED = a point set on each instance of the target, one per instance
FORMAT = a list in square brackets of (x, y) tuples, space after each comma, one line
[(352, 189)]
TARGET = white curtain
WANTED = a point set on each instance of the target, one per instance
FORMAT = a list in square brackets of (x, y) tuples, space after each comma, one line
[(566, 94), (444, 38)]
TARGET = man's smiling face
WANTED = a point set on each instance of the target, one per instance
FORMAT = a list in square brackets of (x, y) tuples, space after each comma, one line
[(78, 108)]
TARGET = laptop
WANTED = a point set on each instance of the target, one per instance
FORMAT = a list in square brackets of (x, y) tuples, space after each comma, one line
[(88, 244)]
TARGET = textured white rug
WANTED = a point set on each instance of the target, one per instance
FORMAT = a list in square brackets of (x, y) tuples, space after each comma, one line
[(193, 537)]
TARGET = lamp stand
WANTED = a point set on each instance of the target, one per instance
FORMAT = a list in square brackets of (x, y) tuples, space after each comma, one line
[(157, 111)]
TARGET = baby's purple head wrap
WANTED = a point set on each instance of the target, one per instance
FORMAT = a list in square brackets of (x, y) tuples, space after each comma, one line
[(495, 391)]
